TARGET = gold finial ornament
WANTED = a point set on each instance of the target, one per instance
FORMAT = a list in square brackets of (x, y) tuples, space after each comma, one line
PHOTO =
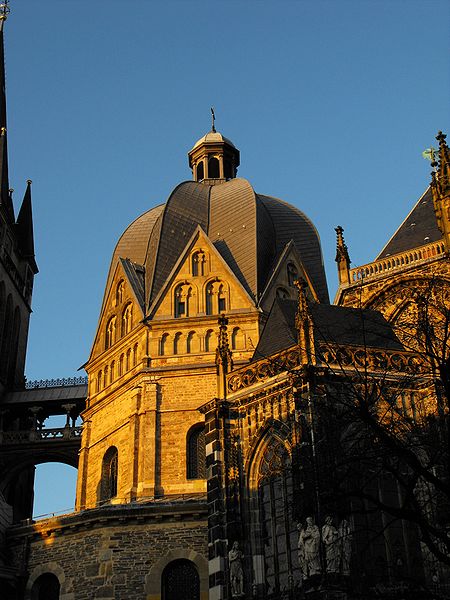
[(4, 10)]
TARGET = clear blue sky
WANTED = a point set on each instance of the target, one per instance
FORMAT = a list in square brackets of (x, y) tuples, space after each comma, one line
[(331, 104)]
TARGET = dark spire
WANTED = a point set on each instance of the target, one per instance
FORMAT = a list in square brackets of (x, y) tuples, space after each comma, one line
[(24, 228), (224, 358), (342, 257), (5, 197), (440, 187)]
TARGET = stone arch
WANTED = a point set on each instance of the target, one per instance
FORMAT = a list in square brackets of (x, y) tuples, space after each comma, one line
[(153, 579), (55, 569), (273, 429)]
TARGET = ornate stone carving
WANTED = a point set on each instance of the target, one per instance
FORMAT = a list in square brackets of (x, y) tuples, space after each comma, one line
[(235, 557)]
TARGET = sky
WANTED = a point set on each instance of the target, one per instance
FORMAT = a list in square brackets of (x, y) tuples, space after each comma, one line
[(331, 104)]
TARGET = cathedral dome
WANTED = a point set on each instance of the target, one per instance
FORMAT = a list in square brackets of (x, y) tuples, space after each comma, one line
[(250, 231)]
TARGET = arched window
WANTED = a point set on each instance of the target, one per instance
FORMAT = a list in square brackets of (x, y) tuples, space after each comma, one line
[(110, 335), (128, 360), (215, 298), (164, 344), (195, 453), (210, 342), (105, 376), (135, 355), (180, 579), (213, 168), (237, 339), (177, 343), (119, 292), (99, 380), (112, 373), (292, 273), (46, 587), (200, 171), (277, 525), (109, 474), (182, 296), (6, 336), (198, 264), (127, 316), (192, 343)]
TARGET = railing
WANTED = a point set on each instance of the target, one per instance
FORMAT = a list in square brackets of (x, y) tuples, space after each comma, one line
[(40, 435), (52, 383), (390, 263)]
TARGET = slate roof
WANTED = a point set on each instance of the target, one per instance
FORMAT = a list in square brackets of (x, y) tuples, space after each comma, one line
[(333, 324), (419, 228), (249, 230)]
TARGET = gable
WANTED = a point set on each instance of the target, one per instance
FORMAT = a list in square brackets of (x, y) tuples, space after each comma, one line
[(200, 284), (122, 309), (281, 282)]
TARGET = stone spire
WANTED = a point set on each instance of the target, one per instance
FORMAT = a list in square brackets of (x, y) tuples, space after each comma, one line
[(342, 257), (5, 196), (440, 187), (24, 228), (224, 358)]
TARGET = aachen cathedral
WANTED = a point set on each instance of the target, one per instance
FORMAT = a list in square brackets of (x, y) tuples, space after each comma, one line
[(242, 437)]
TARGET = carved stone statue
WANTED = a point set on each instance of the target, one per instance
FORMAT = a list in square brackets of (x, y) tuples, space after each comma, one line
[(345, 541), (310, 542), (236, 571), (330, 538), (301, 552)]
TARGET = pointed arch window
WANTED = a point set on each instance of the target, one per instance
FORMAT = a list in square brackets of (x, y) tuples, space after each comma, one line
[(127, 317), (292, 273), (110, 336), (110, 465), (196, 453)]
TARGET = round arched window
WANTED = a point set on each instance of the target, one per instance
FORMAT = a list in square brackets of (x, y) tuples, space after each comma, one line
[(46, 587), (180, 579)]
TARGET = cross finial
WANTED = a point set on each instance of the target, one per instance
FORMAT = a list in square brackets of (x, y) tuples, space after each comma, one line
[(4, 10), (213, 118)]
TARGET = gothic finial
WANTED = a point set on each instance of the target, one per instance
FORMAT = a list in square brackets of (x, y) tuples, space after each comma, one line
[(304, 325), (224, 357), (342, 257), (440, 188), (4, 10), (213, 120)]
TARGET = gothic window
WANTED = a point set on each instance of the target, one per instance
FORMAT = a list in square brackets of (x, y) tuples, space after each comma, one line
[(237, 339), (200, 171), (195, 453), (110, 333), (292, 273), (109, 474), (210, 345), (127, 316), (46, 587), (177, 343), (213, 168), (120, 292), (163, 345), (180, 579), (278, 528), (6, 336)]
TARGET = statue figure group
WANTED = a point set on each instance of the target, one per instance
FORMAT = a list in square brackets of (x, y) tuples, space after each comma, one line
[(337, 544)]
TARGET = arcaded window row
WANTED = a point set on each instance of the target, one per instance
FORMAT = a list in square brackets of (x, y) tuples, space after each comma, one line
[(194, 343)]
